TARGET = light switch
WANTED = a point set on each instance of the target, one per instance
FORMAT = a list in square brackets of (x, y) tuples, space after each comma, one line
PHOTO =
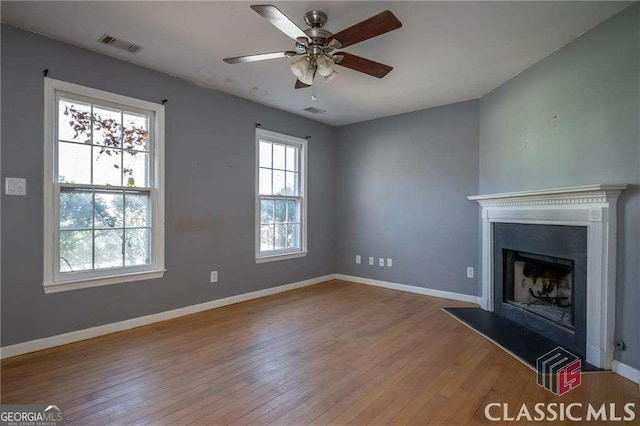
[(381, 262), (371, 261), (15, 186), (358, 259)]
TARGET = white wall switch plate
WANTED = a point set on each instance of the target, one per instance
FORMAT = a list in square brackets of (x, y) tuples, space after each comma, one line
[(389, 262), (371, 261), (214, 276), (15, 186), (469, 272), (358, 259), (381, 262)]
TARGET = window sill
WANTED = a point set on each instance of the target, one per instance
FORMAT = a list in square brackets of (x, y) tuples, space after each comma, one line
[(87, 283), (274, 258)]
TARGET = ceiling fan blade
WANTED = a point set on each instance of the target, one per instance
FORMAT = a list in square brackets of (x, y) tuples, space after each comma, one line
[(260, 57), (300, 85), (364, 65), (376, 25), (279, 20)]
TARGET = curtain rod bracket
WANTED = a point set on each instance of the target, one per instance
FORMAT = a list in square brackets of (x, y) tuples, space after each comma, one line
[(258, 125), (164, 101), (45, 72)]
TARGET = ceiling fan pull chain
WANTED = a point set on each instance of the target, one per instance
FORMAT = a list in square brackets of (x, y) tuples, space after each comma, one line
[(313, 91)]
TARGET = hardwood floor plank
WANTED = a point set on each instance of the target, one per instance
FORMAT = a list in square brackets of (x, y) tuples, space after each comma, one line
[(333, 353)]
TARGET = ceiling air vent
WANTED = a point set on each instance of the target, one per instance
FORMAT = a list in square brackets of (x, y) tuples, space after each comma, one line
[(314, 110), (119, 44)]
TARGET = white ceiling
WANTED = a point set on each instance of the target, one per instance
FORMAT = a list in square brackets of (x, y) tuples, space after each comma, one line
[(445, 52)]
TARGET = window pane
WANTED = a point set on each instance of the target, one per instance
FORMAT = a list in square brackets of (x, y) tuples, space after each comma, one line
[(293, 236), (76, 209), (265, 154), (278, 182), (292, 159), (266, 238), (265, 181), (292, 211), (108, 247), (291, 183), (135, 169), (106, 166), (74, 121), (266, 211), (109, 207), (278, 156), (74, 163), (281, 237), (280, 211), (75, 250), (107, 126), (137, 211), (136, 131), (137, 247)]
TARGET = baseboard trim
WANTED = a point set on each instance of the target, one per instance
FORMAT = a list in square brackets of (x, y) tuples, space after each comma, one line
[(101, 330), (410, 288), (626, 371)]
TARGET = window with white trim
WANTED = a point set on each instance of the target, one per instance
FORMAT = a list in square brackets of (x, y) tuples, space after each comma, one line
[(104, 192), (281, 163)]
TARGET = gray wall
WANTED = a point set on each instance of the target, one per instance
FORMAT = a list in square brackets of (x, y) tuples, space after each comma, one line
[(209, 193), (573, 119), (402, 188)]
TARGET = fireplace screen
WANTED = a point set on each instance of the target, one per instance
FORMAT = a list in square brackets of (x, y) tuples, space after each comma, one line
[(541, 285)]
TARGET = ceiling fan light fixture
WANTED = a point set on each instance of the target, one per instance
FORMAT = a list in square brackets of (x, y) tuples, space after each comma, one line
[(307, 77), (325, 66), (299, 67), (331, 76)]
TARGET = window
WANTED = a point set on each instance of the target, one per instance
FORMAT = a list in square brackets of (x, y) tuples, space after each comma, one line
[(280, 196), (103, 186)]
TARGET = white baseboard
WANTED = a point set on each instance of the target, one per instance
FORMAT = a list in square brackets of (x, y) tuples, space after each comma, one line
[(89, 333), (626, 371), (410, 288)]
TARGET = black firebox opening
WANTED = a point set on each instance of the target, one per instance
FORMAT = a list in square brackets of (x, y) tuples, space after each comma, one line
[(541, 285)]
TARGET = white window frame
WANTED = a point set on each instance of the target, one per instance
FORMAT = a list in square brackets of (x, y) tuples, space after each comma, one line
[(53, 280), (301, 144)]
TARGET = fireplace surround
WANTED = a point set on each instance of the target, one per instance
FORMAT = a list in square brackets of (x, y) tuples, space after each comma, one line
[(591, 208)]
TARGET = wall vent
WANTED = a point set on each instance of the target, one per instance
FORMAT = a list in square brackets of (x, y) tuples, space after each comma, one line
[(119, 44), (314, 110)]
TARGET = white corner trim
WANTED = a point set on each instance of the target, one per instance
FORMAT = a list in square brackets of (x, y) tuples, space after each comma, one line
[(101, 330), (626, 371), (410, 288)]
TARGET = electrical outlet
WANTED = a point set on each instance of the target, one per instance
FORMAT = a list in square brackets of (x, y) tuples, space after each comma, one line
[(358, 259), (381, 262), (469, 272), (371, 261), (389, 262), (214, 276)]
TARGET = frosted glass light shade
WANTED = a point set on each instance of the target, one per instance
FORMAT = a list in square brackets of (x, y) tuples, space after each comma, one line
[(300, 67), (325, 66), (330, 77)]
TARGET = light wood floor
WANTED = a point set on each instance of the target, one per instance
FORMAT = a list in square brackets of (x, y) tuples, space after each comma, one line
[(332, 353)]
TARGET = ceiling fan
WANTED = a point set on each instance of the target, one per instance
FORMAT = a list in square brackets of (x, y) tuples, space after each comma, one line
[(315, 46)]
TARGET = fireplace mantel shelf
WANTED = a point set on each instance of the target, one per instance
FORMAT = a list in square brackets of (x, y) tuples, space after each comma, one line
[(590, 206), (583, 192)]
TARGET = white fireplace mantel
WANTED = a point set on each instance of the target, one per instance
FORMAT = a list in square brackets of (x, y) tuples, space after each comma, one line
[(591, 206)]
